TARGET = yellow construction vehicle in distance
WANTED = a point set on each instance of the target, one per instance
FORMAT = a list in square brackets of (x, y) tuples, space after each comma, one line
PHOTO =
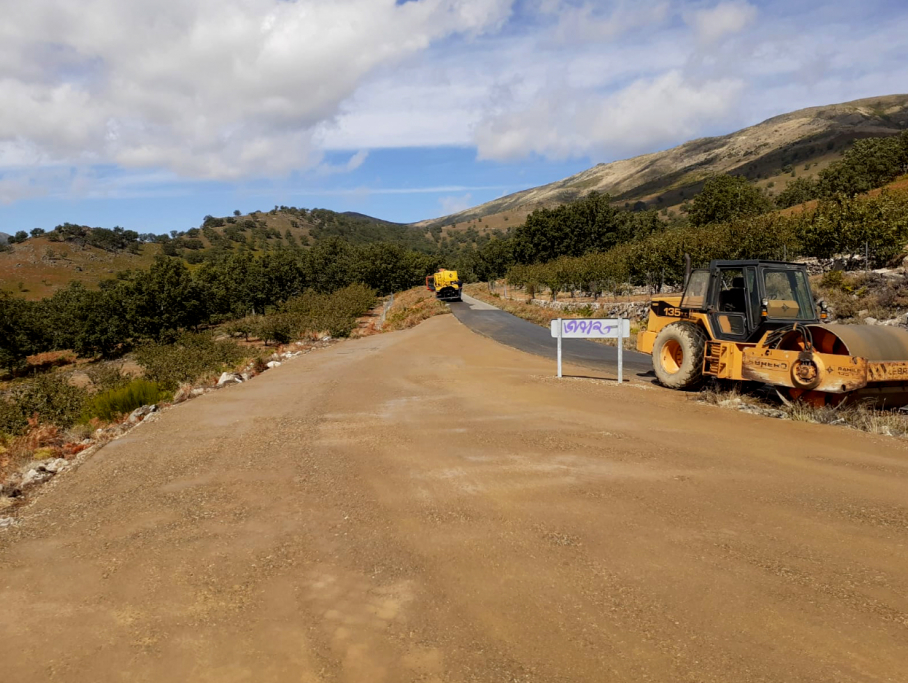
[(446, 285), (757, 321)]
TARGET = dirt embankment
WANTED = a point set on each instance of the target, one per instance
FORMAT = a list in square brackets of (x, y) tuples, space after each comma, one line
[(429, 505)]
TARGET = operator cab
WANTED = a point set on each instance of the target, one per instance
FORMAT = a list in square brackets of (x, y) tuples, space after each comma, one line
[(745, 299)]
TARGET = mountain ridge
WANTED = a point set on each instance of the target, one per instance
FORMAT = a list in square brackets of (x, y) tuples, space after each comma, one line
[(768, 153)]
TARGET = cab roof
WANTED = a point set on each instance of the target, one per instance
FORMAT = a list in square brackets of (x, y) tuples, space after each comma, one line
[(754, 262)]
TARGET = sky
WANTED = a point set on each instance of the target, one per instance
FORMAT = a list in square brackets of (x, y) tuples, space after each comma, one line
[(150, 115)]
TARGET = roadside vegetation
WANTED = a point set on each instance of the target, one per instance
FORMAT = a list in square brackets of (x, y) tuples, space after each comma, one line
[(860, 416), (411, 308)]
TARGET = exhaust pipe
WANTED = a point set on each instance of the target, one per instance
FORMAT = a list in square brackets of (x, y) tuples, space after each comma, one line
[(686, 269)]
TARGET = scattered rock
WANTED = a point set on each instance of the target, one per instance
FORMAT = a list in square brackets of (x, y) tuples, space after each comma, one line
[(55, 466), (198, 391), (12, 487), (863, 313), (273, 364), (327, 337), (229, 378), (246, 376), (33, 477), (765, 412), (139, 414), (7, 522), (870, 321)]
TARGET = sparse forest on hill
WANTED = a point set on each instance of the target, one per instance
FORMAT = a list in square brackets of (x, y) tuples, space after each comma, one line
[(588, 245)]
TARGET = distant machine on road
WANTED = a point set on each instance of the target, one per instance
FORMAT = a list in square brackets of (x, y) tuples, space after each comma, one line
[(758, 321), (446, 285)]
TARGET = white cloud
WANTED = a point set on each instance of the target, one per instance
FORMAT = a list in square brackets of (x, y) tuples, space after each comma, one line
[(642, 117), (588, 22), (246, 89), (456, 203), (726, 18), (353, 163), (206, 88)]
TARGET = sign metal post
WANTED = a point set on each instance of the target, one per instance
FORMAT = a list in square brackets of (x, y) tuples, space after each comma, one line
[(560, 333), (620, 349), (591, 328)]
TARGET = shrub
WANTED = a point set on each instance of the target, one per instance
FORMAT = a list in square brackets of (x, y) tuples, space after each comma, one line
[(334, 313), (833, 279), (110, 404), (189, 358), (106, 376), (51, 397), (276, 327), (243, 327)]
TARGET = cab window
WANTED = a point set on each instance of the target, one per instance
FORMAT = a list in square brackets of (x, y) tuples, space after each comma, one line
[(787, 294), (695, 293), (732, 295)]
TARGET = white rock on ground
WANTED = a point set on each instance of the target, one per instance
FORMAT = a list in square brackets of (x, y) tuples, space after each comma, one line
[(56, 466), (7, 521), (33, 477), (139, 414), (229, 378), (273, 364)]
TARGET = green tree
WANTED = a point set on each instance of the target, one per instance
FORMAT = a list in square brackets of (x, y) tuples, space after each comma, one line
[(797, 192), (726, 198), (163, 300), (869, 164), (19, 332)]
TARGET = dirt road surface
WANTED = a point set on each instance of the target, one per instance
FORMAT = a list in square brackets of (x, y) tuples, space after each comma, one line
[(431, 506)]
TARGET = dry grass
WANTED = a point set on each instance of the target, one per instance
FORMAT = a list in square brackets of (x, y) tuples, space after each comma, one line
[(42, 275), (40, 442), (860, 416), (412, 307), (857, 295)]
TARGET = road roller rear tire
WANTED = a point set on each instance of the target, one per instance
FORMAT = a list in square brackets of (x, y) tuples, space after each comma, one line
[(678, 356)]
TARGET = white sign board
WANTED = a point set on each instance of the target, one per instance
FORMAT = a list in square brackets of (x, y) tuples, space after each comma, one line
[(593, 328)]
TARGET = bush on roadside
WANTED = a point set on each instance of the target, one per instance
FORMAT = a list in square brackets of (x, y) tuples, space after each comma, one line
[(334, 313), (189, 358), (412, 307), (276, 327), (243, 327), (106, 376), (50, 397), (113, 403)]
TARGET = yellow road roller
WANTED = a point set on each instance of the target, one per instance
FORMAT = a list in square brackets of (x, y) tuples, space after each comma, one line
[(758, 321)]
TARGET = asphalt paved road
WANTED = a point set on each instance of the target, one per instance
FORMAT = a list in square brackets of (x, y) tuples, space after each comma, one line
[(520, 334)]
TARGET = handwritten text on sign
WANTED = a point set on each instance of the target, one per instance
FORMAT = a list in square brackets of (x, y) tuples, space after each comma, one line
[(592, 328)]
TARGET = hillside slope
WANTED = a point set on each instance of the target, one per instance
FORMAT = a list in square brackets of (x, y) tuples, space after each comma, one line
[(41, 265), (770, 154)]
